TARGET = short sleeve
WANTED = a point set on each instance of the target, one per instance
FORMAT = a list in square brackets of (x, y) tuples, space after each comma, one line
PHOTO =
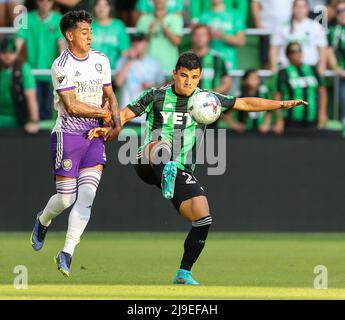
[(227, 102), (22, 33), (143, 103), (107, 74), (62, 78), (28, 79)]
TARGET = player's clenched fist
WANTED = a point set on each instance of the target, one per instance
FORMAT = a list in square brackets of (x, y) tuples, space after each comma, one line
[(98, 132), (292, 103)]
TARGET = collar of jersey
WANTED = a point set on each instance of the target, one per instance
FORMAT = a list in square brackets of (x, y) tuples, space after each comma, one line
[(78, 59)]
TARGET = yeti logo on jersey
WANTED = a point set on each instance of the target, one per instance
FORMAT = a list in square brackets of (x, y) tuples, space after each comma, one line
[(177, 117), (67, 164), (98, 67)]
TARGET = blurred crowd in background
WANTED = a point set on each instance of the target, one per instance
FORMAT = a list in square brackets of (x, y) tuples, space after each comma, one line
[(299, 40)]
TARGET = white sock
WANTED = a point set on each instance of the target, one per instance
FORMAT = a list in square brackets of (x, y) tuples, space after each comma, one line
[(80, 214), (65, 197)]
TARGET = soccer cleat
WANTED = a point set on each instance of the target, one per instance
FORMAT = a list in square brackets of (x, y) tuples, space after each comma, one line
[(63, 262), (185, 277), (38, 234), (168, 180)]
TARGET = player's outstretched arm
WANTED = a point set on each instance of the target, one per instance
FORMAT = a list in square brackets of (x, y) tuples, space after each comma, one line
[(258, 104), (79, 109)]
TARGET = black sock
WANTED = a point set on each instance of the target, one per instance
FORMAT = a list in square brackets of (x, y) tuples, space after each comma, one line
[(195, 242)]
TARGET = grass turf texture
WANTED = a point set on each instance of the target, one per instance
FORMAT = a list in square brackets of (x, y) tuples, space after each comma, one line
[(142, 266)]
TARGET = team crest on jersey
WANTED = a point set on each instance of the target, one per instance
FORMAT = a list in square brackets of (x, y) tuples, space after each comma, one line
[(67, 164), (98, 67)]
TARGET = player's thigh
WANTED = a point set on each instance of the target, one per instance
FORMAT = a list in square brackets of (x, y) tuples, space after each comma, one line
[(190, 197), (152, 148), (61, 178), (195, 208), (98, 167)]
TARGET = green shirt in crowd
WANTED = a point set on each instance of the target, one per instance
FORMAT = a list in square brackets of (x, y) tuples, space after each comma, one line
[(295, 83), (41, 37), (213, 70), (230, 23), (111, 39), (336, 39), (199, 7), (7, 108), (160, 46), (172, 6)]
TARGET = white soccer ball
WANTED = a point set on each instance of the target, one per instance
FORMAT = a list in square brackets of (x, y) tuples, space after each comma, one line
[(204, 107)]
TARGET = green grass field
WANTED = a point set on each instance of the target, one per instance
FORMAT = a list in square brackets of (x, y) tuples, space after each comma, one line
[(142, 266)]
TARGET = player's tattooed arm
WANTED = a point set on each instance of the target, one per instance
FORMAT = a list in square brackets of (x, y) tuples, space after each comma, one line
[(79, 109), (258, 104), (125, 115), (109, 95)]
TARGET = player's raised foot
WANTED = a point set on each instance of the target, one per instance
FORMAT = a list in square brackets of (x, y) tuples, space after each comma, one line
[(185, 277), (168, 180), (38, 234), (63, 262)]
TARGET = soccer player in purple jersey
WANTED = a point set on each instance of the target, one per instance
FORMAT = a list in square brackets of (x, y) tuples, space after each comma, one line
[(84, 98)]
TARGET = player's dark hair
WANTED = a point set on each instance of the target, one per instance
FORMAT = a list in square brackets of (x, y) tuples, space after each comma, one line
[(70, 20), (188, 60)]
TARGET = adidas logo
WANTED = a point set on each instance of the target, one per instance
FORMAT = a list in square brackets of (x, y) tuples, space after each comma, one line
[(77, 74)]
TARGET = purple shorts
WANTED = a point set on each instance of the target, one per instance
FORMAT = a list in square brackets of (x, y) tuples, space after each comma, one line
[(71, 152)]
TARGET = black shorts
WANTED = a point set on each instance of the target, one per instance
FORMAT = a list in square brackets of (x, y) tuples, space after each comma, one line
[(186, 185)]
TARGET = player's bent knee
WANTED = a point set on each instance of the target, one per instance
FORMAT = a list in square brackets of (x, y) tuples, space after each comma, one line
[(159, 152), (67, 199)]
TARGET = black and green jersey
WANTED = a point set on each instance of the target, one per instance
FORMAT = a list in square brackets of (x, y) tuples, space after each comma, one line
[(169, 120), (336, 39), (296, 83), (213, 70)]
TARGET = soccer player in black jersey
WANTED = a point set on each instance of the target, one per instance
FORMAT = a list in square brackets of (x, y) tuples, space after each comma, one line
[(171, 128)]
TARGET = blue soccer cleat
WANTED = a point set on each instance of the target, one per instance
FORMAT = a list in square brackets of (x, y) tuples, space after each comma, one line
[(185, 277), (38, 234), (63, 262), (168, 180)]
